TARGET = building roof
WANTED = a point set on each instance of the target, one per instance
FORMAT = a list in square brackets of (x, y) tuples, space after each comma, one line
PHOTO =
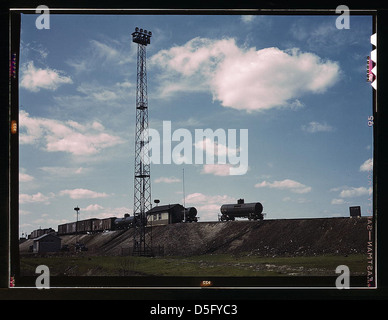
[(46, 235), (163, 208)]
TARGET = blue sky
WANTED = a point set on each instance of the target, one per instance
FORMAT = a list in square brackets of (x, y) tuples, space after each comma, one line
[(297, 83)]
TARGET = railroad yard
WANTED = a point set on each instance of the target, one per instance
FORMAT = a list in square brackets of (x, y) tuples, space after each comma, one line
[(234, 248)]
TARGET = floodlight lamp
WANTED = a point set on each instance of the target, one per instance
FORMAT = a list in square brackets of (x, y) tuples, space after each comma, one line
[(137, 29), (141, 30), (145, 31), (150, 33)]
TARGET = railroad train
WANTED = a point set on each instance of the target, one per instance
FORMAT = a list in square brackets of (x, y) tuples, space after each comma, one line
[(252, 211), (95, 225), (229, 212)]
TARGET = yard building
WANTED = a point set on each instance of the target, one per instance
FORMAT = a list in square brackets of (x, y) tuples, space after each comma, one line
[(165, 214), (47, 243)]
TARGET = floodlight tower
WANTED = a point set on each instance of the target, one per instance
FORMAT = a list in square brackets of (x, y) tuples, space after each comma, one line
[(77, 209), (142, 187)]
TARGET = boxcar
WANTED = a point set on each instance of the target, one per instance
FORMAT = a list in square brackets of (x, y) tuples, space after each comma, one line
[(96, 225), (108, 223)]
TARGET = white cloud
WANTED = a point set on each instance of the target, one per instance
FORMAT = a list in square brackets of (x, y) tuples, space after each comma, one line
[(338, 201), (208, 206), (34, 198), (244, 79), (247, 18), (287, 184), (113, 212), (70, 136), (219, 149), (92, 207), (217, 169), (64, 171), (34, 79), (167, 180), (82, 194), (367, 165), (214, 148), (24, 177), (355, 192), (200, 198), (314, 126)]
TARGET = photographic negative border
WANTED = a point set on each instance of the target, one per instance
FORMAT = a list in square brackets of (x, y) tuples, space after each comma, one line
[(11, 205)]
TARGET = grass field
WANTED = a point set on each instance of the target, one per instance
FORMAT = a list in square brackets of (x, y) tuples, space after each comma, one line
[(203, 265)]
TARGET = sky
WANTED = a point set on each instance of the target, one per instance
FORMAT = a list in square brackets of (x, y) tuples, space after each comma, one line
[(290, 90)]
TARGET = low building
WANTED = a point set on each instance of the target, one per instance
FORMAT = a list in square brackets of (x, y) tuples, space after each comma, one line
[(165, 214), (47, 243), (355, 211)]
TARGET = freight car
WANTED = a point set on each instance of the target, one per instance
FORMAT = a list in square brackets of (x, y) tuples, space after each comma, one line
[(87, 226), (113, 223), (124, 223), (40, 232), (241, 210), (171, 213), (190, 215)]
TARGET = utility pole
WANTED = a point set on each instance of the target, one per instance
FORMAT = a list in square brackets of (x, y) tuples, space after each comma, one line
[(142, 243)]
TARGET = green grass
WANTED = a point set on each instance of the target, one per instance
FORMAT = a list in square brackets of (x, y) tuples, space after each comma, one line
[(204, 265)]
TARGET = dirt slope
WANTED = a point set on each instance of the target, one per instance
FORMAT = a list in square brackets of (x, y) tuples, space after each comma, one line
[(284, 237)]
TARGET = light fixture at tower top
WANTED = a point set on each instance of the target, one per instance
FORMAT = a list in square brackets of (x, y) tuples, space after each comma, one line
[(141, 36)]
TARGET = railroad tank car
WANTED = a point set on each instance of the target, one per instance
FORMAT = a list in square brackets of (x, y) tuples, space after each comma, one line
[(190, 214), (251, 211), (124, 223)]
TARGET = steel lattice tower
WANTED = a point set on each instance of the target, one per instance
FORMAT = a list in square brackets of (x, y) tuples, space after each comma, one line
[(142, 242)]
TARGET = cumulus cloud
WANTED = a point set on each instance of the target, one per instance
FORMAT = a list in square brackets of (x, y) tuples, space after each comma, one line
[(349, 192), (69, 136), (208, 206), (355, 192), (34, 198), (217, 169), (82, 193), (93, 207), (221, 151), (244, 78), (367, 165), (200, 198), (339, 201), (24, 177), (214, 148), (34, 79), (287, 184), (247, 18), (100, 212), (64, 171)]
